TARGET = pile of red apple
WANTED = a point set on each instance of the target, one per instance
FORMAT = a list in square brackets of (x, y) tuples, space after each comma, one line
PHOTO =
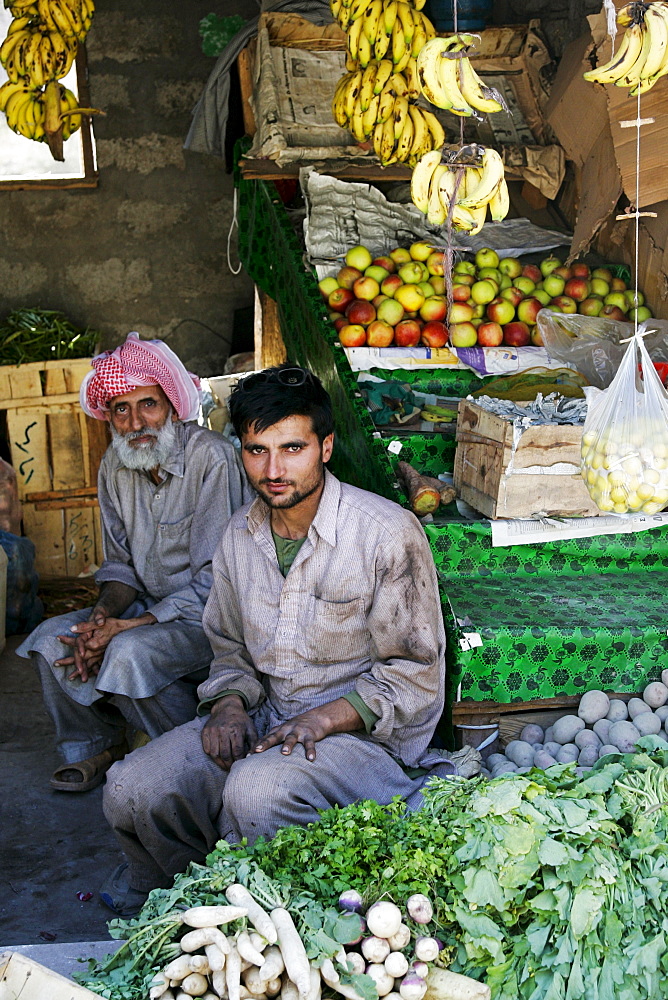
[(399, 299)]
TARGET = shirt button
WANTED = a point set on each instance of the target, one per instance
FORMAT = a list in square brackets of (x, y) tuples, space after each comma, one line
[(157, 496)]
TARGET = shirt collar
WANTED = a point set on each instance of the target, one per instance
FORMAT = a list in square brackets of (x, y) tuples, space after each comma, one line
[(176, 463), (324, 522)]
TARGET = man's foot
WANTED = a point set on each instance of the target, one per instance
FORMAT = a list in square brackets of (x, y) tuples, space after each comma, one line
[(117, 893), (86, 774)]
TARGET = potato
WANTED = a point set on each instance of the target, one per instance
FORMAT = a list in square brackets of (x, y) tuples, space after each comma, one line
[(503, 768), (606, 749), (587, 738), (655, 694), (588, 756), (552, 748), (523, 770), (664, 677), (544, 760), (568, 753), (647, 724), (533, 733), (636, 706), (496, 758), (624, 736), (549, 735), (662, 712), (520, 753), (536, 746), (617, 711), (602, 728), (565, 729), (594, 705)]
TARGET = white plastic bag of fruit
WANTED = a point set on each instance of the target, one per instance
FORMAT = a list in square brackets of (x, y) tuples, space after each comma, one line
[(625, 439)]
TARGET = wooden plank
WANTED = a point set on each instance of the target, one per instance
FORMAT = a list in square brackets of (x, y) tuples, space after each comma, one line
[(79, 540), (67, 458), (267, 170), (244, 69), (46, 530), (62, 399), (97, 530), (75, 371), (549, 444), (5, 391), (257, 329), (63, 504), (28, 444), (25, 382), (82, 491), (555, 495), (273, 347), (99, 438), (54, 381)]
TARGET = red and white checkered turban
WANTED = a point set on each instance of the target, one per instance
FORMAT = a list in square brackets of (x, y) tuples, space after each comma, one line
[(139, 362)]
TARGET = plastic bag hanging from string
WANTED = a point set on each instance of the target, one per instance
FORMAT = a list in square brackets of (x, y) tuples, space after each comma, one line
[(624, 457)]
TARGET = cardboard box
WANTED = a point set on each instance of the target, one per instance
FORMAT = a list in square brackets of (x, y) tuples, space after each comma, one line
[(504, 471), (23, 979)]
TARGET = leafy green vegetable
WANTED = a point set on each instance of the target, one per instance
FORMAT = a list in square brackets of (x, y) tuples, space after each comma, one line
[(217, 32), (42, 335)]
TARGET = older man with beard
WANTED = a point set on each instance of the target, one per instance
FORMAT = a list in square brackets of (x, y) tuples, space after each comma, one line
[(166, 488)]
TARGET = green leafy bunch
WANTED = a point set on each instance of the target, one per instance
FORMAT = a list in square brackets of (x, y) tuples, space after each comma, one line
[(42, 335)]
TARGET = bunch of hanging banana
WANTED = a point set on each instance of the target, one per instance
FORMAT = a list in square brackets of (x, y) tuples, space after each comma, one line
[(374, 104), (447, 78), (391, 28), (460, 191), (39, 50), (25, 109), (642, 56)]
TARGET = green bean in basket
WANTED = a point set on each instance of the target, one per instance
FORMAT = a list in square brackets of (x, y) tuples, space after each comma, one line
[(43, 335)]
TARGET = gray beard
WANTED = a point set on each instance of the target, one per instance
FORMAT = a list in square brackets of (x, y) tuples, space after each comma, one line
[(146, 456)]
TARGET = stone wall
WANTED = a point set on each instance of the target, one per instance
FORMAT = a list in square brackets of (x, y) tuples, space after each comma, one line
[(146, 250)]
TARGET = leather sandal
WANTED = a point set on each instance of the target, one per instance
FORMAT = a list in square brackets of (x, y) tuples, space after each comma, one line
[(92, 770)]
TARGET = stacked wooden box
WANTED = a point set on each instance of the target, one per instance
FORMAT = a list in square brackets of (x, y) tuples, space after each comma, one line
[(56, 451)]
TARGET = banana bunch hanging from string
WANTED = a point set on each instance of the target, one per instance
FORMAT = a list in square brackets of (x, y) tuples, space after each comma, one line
[(461, 190), (374, 104), (39, 50), (642, 56), (377, 28), (447, 78)]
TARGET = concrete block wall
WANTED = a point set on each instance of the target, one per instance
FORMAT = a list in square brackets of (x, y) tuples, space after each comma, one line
[(146, 250)]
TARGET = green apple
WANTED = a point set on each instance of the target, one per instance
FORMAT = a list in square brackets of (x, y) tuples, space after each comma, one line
[(359, 257), (618, 299), (635, 298), (486, 258), (641, 313), (483, 291), (421, 250), (427, 289), (511, 266), (327, 286), (505, 282), (400, 255), (542, 296), (525, 284), (591, 306), (554, 285), (489, 272), (548, 264), (378, 273), (599, 286), (464, 267)]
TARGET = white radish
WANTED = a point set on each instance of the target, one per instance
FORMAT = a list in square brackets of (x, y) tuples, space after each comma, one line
[(293, 951), (169, 995), (253, 981), (274, 966), (419, 908), (401, 938), (383, 919), (200, 963), (347, 991), (260, 919), (289, 991), (426, 949), (355, 963), (212, 916), (258, 941), (194, 985), (329, 973), (246, 994), (233, 974), (159, 986), (219, 984), (178, 969), (381, 977), (210, 996), (420, 969), (375, 949), (393, 996), (445, 985), (396, 964), (215, 957), (316, 988), (273, 987), (246, 949), (412, 987), (200, 938)]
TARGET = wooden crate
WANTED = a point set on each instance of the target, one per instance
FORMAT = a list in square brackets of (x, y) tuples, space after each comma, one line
[(502, 474), (56, 452), (22, 977)]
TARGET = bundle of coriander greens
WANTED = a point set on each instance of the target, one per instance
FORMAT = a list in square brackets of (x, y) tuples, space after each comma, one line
[(545, 885)]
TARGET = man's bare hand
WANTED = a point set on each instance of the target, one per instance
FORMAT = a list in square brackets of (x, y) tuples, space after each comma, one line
[(91, 640), (308, 728), (228, 733)]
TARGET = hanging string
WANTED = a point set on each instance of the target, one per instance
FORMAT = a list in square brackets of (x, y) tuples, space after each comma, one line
[(637, 218), (611, 16)]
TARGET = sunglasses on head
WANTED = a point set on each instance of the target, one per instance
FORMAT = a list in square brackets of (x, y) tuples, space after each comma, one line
[(286, 376)]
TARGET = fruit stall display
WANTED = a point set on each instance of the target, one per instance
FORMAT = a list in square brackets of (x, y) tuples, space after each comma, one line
[(399, 299)]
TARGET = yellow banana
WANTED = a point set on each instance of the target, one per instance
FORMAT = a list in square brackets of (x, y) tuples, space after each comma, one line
[(338, 103), (492, 175), (9, 90), (335, 8), (428, 65), (625, 15), (358, 8), (65, 50), (472, 89), (385, 104), (398, 43), (352, 92), (384, 71), (400, 115), (45, 16), (429, 28), (623, 60), (421, 179), (463, 220), (370, 116), (387, 141), (382, 41), (72, 11), (448, 71), (419, 40), (367, 85), (377, 139), (656, 26), (409, 72), (354, 34), (499, 203), (59, 15), (405, 140), (398, 83), (372, 18), (418, 4), (632, 76), (405, 17), (356, 124), (479, 215), (435, 127), (421, 135), (437, 211), (390, 15), (364, 51)]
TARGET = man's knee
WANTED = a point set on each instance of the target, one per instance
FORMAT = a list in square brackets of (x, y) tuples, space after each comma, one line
[(261, 789)]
